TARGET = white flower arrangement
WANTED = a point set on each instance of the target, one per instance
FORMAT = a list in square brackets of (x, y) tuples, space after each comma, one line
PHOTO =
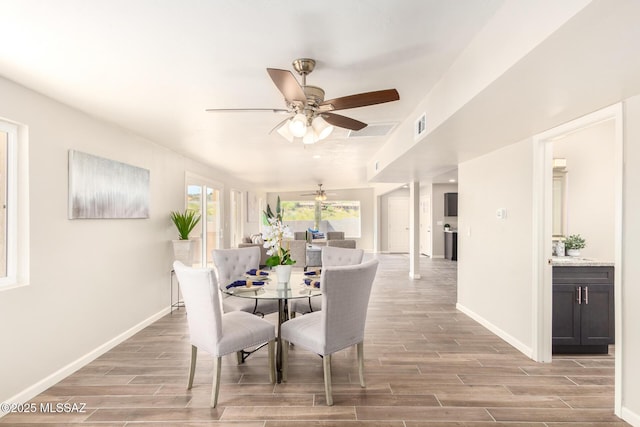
[(274, 234)]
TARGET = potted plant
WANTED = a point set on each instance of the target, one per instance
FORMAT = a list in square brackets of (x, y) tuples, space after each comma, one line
[(279, 256), (447, 227), (573, 244), (185, 222)]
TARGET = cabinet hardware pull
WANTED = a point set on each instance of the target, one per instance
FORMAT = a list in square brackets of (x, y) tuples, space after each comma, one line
[(586, 295), (579, 295)]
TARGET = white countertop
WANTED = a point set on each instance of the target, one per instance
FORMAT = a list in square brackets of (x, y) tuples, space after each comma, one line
[(576, 261)]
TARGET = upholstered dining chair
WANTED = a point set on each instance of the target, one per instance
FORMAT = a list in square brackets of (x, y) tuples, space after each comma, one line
[(340, 323), (232, 264), (214, 332), (331, 257), (297, 251)]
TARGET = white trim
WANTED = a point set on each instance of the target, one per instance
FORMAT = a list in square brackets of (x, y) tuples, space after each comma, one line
[(37, 388), (17, 221), (630, 416), (542, 287), (525, 349), (542, 297), (618, 115)]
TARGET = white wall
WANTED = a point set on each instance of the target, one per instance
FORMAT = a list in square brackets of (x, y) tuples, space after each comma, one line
[(630, 266), (90, 280), (590, 194), (495, 256)]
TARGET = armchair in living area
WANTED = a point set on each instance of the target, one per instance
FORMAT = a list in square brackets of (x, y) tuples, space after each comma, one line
[(336, 239), (350, 243), (335, 235)]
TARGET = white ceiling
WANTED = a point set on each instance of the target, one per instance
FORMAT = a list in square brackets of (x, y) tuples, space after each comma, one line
[(154, 66)]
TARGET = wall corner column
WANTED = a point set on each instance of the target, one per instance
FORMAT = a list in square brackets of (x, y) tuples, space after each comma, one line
[(414, 230)]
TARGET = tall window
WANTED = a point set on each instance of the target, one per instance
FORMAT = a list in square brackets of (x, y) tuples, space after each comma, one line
[(339, 215), (204, 197), (235, 216), (8, 203)]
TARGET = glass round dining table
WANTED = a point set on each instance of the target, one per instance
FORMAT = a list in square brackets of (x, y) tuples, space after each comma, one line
[(283, 292)]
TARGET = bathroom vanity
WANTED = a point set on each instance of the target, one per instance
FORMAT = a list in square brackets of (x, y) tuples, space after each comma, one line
[(583, 306)]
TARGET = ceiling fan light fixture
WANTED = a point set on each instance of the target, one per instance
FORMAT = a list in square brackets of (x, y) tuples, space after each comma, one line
[(285, 132), (321, 127), (310, 136), (298, 125)]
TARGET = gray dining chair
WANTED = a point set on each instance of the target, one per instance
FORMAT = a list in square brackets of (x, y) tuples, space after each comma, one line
[(340, 323), (231, 265), (331, 257), (217, 333)]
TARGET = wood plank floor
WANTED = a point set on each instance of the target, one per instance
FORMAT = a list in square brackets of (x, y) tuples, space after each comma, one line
[(426, 365)]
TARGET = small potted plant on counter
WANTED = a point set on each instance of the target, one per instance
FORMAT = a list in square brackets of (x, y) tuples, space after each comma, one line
[(573, 244), (447, 227)]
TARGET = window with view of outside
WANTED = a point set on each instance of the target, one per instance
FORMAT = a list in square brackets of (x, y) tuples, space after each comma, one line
[(332, 215), (4, 142), (8, 203)]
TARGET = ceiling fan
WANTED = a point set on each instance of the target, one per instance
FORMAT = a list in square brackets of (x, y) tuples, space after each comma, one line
[(320, 194), (311, 116)]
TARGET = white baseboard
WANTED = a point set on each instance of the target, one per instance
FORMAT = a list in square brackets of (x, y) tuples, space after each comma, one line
[(37, 388), (526, 350), (630, 417)]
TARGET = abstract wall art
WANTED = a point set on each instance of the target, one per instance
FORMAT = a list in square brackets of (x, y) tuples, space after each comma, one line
[(103, 188)]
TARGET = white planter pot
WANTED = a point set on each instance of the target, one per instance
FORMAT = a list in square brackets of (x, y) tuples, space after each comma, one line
[(183, 251), (573, 252), (284, 274)]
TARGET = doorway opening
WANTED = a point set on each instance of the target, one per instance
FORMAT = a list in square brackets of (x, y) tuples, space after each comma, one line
[(543, 217)]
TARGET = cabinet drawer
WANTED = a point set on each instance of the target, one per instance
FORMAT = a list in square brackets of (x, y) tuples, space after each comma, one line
[(583, 275)]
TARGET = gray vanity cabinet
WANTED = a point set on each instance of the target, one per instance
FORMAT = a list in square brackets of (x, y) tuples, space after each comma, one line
[(583, 309)]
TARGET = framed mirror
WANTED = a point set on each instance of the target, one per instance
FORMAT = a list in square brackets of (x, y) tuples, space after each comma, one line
[(559, 202)]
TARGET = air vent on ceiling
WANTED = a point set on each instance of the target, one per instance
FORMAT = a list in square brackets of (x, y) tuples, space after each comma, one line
[(372, 130)]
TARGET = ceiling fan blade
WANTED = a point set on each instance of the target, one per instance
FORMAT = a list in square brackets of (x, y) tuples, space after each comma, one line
[(288, 85), (245, 110), (361, 99), (343, 122)]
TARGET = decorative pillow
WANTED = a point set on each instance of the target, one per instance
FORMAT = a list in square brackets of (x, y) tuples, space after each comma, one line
[(257, 239)]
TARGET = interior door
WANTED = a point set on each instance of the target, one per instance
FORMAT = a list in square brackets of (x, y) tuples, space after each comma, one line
[(398, 224)]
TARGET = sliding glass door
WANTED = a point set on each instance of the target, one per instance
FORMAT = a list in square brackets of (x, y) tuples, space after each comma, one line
[(204, 197)]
